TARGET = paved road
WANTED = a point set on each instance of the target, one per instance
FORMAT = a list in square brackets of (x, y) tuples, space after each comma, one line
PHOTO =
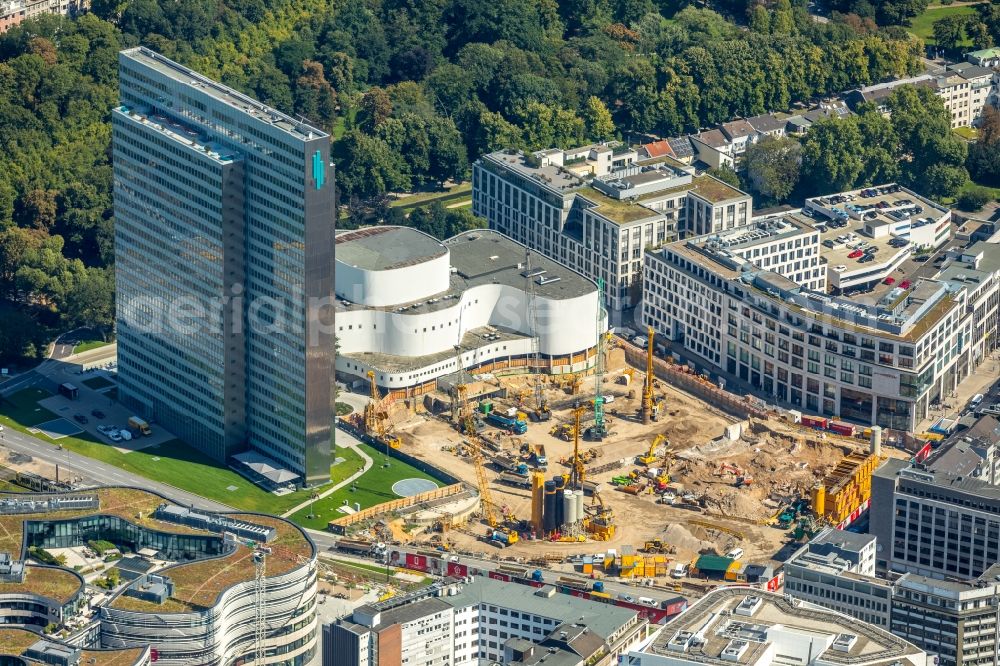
[(98, 472), (615, 588)]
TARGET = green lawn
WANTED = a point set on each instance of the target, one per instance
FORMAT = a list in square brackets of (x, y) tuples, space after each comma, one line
[(923, 25), (87, 345), (97, 383), (426, 198), (373, 488), (172, 462), (967, 133), (343, 409)]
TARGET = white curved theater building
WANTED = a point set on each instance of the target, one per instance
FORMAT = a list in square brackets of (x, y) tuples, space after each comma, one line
[(405, 301)]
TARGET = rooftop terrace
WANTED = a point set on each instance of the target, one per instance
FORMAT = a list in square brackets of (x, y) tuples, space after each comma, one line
[(196, 584), (14, 642), (51, 582)]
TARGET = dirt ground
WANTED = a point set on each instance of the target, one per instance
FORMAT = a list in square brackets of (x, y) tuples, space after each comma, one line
[(782, 461)]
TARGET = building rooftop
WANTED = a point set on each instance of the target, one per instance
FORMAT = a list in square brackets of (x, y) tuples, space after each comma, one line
[(15, 642), (713, 138), (234, 98), (843, 539), (767, 122), (738, 129), (61, 585), (197, 584), (738, 626), (600, 618), (384, 248)]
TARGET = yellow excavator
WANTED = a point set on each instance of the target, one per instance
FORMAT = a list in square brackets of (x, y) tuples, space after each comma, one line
[(651, 456)]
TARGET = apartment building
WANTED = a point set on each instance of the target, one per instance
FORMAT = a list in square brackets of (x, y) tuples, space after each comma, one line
[(836, 570), (941, 517), (965, 88), (741, 626), (483, 621), (955, 620), (596, 209), (818, 314), (13, 12)]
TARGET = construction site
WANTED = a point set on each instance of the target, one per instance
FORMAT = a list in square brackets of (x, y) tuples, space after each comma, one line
[(621, 460)]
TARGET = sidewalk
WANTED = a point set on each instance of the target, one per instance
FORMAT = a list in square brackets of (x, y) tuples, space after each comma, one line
[(338, 486)]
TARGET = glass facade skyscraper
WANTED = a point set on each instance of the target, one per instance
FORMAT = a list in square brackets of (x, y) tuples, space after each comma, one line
[(224, 212)]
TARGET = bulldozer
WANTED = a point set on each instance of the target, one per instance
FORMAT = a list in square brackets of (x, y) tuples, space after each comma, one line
[(658, 546)]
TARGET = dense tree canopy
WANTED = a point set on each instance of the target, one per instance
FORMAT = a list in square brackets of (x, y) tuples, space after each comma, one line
[(413, 91)]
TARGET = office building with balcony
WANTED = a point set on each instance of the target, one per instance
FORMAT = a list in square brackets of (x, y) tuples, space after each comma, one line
[(596, 208), (224, 214)]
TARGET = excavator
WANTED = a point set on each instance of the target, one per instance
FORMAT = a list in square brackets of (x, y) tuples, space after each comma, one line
[(651, 456)]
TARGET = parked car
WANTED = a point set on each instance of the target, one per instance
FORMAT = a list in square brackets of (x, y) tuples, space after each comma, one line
[(865, 259), (905, 284), (80, 418), (97, 414), (103, 429), (114, 436), (855, 254), (889, 281)]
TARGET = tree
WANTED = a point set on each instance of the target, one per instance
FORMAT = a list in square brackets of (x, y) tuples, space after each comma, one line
[(831, 156), (773, 167), (367, 167), (973, 198), (726, 174), (932, 156), (597, 120), (314, 97), (373, 110), (949, 31)]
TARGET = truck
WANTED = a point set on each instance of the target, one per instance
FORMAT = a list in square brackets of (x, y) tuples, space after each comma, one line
[(514, 425), (355, 546), (540, 458), (521, 481), (139, 425)]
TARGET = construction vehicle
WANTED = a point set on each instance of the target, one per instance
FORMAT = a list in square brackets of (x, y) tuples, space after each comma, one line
[(651, 456), (514, 425), (376, 414), (647, 389), (599, 521), (498, 533), (541, 460), (518, 480), (658, 546)]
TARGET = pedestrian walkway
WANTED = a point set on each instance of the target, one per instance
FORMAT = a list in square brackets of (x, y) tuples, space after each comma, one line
[(338, 486)]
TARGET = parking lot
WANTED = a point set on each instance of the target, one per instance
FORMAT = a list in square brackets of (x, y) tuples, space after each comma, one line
[(92, 409)]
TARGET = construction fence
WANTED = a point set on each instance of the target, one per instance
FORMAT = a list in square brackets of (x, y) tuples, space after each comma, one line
[(682, 377), (339, 525)]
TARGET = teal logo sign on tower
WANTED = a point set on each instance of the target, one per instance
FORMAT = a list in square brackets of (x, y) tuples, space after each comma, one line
[(319, 170)]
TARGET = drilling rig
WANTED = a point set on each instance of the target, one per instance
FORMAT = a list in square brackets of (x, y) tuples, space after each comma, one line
[(647, 389), (599, 430), (540, 411)]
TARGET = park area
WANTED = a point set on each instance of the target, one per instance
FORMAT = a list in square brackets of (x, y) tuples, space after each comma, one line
[(923, 25), (175, 463), (379, 484)]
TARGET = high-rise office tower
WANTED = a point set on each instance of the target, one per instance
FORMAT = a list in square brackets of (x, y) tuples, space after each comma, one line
[(224, 213)]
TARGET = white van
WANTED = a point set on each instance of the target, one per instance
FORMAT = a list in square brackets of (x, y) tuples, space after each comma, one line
[(679, 571), (646, 601), (976, 399), (735, 553)]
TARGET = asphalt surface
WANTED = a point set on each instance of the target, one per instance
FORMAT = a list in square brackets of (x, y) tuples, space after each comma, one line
[(96, 472)]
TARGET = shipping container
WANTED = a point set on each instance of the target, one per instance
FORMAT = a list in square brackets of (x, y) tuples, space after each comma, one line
[(814, 422), (841, 428)]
